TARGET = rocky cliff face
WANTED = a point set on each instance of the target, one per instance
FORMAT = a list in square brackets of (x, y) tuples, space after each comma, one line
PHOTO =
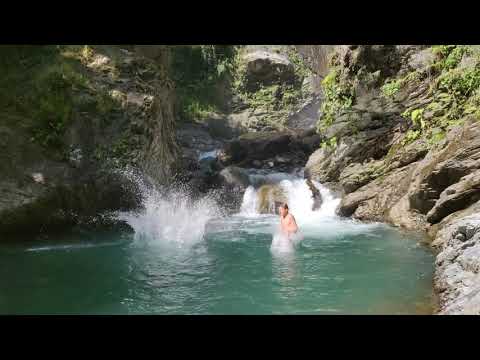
[(72, 117), (399, 128), (261, 114)]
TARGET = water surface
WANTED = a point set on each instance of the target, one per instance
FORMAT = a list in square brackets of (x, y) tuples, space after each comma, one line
[(186, 259)]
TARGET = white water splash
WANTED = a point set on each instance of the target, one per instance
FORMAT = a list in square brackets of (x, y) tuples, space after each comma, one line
[(249, 203), (321, 224), (172, 218), (281, 243), (300, 200), (208, 154), (175, 219)]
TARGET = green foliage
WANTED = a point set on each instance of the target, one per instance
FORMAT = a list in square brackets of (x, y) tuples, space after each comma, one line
[(300, 68), (436, 137), (265, 97), (411, 136), (330, 143), (391, 88), (276, 100), (105, 103), (460, 83), (52, 110), (119, 152), (417, 118), (196, 71), (194, 108), (449, 56), (39, 86), (338, 96), (42, 84)]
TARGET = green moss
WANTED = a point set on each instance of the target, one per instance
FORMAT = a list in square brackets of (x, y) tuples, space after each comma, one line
[(339, 95), (329, 144), (411, 136), (391, 88), (449, 56), (392, 151), (119, 152), (40, 84), (436, 137), (460, 83), (195, 109), (331, 79), (417, 118), (276, 100), (302, 71)]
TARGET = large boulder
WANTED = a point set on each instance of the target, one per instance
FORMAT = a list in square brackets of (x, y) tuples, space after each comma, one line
[(309, 141), (457, 274), (421, 59), (355, 175), (306, 116), (257, 146), (268, 149), (375, 201), (327, 163), (456, 197), (410, 189), (443, 168), (267, 68), (362, 134), (224, 127)]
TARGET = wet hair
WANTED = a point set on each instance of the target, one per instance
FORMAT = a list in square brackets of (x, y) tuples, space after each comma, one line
[(285, 206)]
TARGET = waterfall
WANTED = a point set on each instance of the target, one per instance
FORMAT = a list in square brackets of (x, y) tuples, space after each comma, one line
[(299, 195)]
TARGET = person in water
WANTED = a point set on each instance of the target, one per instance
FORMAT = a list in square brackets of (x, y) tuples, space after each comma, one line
[(287, 221)]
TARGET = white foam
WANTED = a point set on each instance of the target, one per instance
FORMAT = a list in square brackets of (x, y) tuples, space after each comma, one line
[(208, 154), (300, 200), (249, 203), (171, 218), (322, 223), (281, 243)]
